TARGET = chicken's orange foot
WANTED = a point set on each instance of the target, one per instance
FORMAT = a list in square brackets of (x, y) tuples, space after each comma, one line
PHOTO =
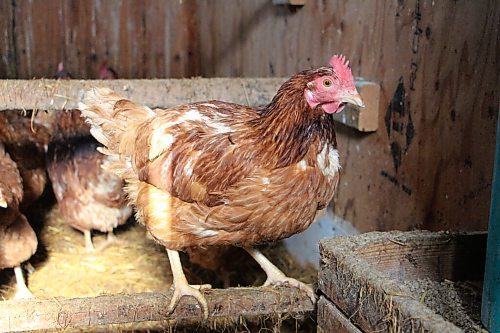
[(275, 277), (89, 246), (182, 287), (22, 291)]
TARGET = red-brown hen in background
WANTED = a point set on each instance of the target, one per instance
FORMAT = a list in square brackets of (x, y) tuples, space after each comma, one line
[(106, 72), (217, 173), (18, 241), (88, 197)]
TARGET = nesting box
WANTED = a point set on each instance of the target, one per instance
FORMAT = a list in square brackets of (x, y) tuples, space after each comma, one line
[(401, 282)]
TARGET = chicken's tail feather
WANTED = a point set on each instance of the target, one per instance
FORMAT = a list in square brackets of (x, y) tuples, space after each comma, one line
[(113, 120)]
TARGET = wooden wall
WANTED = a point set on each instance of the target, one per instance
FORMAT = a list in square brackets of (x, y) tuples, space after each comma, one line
[(429, 165)]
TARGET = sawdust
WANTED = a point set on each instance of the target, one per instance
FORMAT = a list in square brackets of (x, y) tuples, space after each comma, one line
[(458, 302)]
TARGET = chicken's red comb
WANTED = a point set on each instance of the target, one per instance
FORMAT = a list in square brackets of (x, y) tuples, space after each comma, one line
[(340, 65)]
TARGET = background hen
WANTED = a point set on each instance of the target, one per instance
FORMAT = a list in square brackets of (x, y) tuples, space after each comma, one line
[(218, 173), (106, 72), (88, 197), (18, 241)]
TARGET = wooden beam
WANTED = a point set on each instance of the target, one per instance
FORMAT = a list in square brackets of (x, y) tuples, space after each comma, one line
[(363, 119), (225, 305), (363, 276), (64, 94), (331, 319)]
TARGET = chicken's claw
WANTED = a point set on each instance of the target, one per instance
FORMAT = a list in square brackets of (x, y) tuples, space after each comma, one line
[(282, 279), (182, 287), (277, 277), (22, 291), (185, 289)]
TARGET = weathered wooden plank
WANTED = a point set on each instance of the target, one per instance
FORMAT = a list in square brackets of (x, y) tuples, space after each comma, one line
[(64, 94), (363, 275), (331, 319), (224, 304), (363, 119)]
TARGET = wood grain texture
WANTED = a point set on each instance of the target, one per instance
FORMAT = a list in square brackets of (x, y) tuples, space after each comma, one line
[(84, 313), (331, 319), (363, 276), (46, 94), (430, 163)]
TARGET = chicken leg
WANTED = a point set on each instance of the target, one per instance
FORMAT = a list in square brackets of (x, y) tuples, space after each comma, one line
[(181, 286), (277, 277), (110, 240), (89, 246), (22, 290)]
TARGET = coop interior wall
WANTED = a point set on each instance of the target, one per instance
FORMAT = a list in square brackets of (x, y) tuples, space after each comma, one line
[(430, 163)]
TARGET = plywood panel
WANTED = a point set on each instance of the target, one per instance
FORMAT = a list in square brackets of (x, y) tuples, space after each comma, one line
[(430, 163)]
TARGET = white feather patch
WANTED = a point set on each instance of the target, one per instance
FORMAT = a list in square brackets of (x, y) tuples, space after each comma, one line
[(266, 180), (99, 135), (302, 165), (160, 142), (328, 161), (188, 168), (219, 127), (210, 105), (205, 233)]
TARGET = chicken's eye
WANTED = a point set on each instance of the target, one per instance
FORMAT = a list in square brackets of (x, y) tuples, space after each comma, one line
[(327, 83)]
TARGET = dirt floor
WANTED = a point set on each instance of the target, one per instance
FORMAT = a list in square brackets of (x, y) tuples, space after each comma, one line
[(134, 263), (458, 302)]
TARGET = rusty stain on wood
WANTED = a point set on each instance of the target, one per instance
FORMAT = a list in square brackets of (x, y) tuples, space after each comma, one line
[(230, 304)]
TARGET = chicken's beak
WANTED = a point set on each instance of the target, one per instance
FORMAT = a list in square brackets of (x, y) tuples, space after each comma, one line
[(3, 203), (354, 99)]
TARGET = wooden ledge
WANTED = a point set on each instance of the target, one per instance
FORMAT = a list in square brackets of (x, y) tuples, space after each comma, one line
[(44, 94), (225, 305)]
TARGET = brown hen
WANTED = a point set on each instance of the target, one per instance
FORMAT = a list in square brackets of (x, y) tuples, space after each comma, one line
[(215, 173), (88, 197), (18, 241)]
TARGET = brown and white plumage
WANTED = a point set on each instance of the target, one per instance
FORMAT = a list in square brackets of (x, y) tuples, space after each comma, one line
[(88, 197), (18, 241), (217, 173)]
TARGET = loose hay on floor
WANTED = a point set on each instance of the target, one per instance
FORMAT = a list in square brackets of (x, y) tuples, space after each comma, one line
[(135, 263)]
